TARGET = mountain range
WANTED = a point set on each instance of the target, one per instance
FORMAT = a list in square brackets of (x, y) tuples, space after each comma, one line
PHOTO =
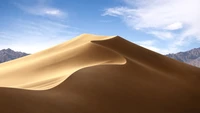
[(191, 57)]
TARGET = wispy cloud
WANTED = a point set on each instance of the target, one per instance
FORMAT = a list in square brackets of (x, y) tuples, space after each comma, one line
[(105, 21), (34, 35), (44, 27), (151, 45), (147, 42), (41, 8), (164, 35), (174, 26), (165, 19)]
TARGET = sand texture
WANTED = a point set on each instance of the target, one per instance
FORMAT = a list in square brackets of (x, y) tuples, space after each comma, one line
[(98, 74)]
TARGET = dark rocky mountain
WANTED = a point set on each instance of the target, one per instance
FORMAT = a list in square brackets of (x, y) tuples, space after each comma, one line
[(191, 57), (9, 54)]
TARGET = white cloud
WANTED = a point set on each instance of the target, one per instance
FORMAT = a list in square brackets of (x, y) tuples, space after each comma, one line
[(151, 45), (146, 42), (118, 11), (31, 35), (174, 26), (41, 9), (161, 18), (153, 48), (52, 11), (164, 35)]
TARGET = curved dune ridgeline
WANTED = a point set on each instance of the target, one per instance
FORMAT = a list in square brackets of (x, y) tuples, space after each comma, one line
[(98, 74)]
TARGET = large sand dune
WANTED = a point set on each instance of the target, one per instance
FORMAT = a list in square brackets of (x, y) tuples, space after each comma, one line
[(98, 74)]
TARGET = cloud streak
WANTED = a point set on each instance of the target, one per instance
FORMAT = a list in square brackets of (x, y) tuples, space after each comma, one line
[(150, 44), (45, 26), (41, 8), (165, 19), (174, 26), (34, 35)]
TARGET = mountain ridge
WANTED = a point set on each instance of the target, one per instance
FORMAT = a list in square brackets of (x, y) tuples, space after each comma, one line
[(191, 57), (9, 54)]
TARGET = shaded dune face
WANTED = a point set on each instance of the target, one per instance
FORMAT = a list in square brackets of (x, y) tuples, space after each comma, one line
[(114, 76)]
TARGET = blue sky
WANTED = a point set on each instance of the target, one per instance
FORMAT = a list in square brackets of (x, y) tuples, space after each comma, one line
[(164, 26)]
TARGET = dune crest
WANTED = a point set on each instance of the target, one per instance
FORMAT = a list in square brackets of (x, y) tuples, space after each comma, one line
[(98, 74), (47, 69)]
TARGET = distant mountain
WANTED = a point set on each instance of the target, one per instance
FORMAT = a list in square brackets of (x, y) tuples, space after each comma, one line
[(191, 57), (9, 54)]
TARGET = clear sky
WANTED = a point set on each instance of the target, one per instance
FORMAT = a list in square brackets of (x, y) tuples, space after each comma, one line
[(164, 26)]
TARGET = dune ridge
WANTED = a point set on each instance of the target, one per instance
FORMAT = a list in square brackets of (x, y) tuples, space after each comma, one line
[(98, 74), (60, 58)]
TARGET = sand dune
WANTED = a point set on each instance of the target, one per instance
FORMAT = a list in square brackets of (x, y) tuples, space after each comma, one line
[(98, 74), (51, 67)]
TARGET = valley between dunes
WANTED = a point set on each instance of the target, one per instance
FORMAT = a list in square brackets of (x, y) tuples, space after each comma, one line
[(98, 74)]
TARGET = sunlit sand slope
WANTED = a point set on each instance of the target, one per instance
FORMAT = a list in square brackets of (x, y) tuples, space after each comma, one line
[(98, 74), (49, 68)]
